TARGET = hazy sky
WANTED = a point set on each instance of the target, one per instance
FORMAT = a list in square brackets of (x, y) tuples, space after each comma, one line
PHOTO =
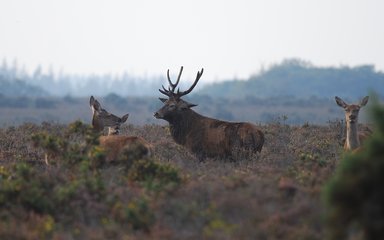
[(228, 38)]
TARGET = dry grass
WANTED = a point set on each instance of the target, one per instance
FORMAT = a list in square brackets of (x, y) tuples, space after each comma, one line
[(272, 195)]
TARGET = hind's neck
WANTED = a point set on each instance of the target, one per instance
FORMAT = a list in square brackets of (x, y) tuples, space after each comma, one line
[(352, 141)]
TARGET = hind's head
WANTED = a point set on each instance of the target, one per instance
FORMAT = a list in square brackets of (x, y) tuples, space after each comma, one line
[(101, 118), (351, 110)]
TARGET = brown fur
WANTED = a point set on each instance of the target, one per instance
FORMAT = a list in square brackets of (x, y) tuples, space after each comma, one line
[(101, 118), (363, 135), (205, 137), (354, 137), (115, 145)]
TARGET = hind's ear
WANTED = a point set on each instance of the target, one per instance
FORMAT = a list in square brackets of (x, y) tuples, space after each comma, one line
[(364, 101), (91, 101), (124, 118), (94, 104), (340, 102)]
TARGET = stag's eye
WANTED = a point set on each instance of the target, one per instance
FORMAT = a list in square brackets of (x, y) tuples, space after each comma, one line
[(172, 106)]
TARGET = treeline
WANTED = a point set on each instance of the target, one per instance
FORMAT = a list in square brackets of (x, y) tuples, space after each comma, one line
[(292, 77), (299, 78), (18, 87), (16, 81)]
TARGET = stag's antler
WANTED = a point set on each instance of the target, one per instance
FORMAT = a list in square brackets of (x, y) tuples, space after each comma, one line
[(172, 86)]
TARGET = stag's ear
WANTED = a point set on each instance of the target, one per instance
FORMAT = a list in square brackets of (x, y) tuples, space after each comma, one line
[(163, 99), (124, 118), (364, 101), (183, 105), (340, 102), (191, 105)]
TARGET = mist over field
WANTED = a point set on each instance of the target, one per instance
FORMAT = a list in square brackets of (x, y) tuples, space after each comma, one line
[(294, 89), (291, 77)]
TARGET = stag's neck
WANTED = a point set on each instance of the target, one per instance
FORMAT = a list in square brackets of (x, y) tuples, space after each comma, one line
[(352, 141), (182, 124)]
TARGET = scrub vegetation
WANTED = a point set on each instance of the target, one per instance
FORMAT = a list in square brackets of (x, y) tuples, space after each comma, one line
[(296, 188)]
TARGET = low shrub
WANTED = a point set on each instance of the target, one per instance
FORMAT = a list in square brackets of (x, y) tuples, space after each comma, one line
[(155, 176), (27, 188)]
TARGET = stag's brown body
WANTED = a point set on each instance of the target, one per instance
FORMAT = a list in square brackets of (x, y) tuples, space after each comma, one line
[(204, 136), (207, 137)]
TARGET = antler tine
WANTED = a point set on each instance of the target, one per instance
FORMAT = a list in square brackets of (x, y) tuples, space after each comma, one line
[(174, 85), (198, 76), (165, 91), (169, 79), (178, 78)]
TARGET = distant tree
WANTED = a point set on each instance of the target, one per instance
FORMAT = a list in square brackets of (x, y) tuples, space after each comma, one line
[(115, 100), (223, 114), (69, 99), (295, 77), (37, 73), (20, 102), (45, 103)]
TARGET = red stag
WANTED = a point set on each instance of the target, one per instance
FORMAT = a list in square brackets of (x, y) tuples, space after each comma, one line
[(204, 136)]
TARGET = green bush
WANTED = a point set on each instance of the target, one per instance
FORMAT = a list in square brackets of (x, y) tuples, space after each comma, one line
[(78, 190), (154, 175), (139, 215), (132, 153), (78, 143), (27, 188)]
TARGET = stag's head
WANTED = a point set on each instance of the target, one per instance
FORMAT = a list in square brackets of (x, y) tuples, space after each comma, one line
[(174, 105), (102, 118), (351, 110)]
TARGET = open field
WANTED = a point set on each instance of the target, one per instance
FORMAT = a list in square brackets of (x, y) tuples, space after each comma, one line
[(273, 195), (18, 110)]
